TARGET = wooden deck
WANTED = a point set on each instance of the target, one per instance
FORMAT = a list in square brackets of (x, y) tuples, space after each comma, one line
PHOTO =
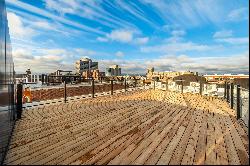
[(143, 127)]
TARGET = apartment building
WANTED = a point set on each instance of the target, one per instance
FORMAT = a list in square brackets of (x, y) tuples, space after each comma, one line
[(85, 64), (114, 70)]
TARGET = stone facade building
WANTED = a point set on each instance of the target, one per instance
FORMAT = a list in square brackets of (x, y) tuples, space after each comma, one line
[(162, 76), (85, 64)]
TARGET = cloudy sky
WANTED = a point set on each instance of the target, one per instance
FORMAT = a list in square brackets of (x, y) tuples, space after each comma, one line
[(208, 36)]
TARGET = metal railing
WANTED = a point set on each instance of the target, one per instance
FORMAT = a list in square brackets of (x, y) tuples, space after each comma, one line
[(29, 97), (236, 96)]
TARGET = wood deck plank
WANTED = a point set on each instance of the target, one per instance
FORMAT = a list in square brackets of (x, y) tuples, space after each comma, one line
[(139, 127)]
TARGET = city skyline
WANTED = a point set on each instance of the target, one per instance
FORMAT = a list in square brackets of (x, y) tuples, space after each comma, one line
[(203, 36)]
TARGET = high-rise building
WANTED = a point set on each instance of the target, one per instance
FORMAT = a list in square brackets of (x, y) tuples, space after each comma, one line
[(7, 88), (85, 64), (113, 71)]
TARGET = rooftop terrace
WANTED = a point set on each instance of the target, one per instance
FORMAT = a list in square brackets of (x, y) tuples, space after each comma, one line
[(140, 127)]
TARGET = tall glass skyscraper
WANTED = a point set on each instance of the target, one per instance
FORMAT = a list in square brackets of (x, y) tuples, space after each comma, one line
[(7, 88)]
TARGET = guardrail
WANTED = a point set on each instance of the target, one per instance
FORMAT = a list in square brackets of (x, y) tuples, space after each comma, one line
[(66, 92), (233, 94), (236, 96)]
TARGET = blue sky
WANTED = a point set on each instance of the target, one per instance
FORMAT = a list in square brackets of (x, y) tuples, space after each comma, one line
[(209, 36)]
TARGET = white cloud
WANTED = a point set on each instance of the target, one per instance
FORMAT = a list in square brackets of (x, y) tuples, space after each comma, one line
[(55, 51), (166, 27), (48, 60), (134, 10), (62, 6), (142, 40), (41, 25), (17, 28), (102, 39), (85, 52), (174, 39), (119, 54), (189, 13), (168, 62), (178, 47), (223, 34), (176, 43), (127, 66), (233, 63), (123, 36), (177, 36), (178, 32), (92, 10), (43, 63), (47, 14), (235, 41), (209, 64), (238, 14), (21, 54)]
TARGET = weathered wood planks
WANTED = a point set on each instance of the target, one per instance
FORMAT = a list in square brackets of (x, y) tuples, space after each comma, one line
[(142, 127)]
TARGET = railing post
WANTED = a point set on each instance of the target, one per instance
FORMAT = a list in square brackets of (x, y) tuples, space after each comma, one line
[(19, 104), (238, 102), (181, 86), (125, 84), (135, 83), (227, 92), (65, 91), (46, 79), (13, 101), (93, 88), (232, 95), (42, 79), (201, 87), (166, 84), (111, 87)]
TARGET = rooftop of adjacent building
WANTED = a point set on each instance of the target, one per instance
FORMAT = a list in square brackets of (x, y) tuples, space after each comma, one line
[(85, 59), (228, 74)]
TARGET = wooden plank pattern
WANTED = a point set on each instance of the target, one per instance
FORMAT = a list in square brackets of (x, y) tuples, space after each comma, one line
[(140, 127)]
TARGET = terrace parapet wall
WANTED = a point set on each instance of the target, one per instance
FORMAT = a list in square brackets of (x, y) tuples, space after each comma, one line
[(56, 93)]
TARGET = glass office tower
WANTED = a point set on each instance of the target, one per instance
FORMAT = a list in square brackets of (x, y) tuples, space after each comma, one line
[(7, 89)]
